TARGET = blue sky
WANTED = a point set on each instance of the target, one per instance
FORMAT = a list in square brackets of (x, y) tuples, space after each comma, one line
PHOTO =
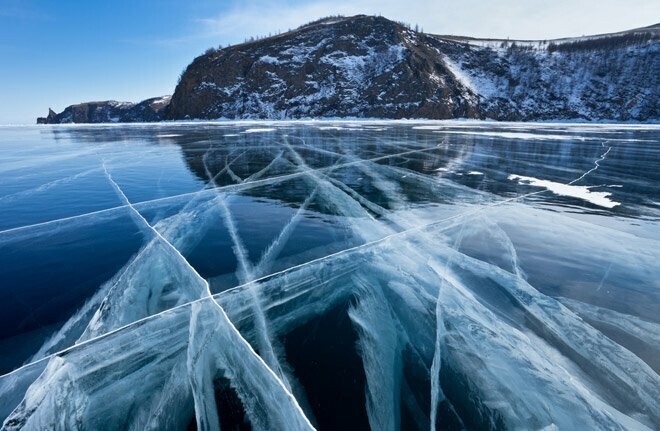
[(56, 53)]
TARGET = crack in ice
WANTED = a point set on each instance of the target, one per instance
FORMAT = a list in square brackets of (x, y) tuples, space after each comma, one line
[(230, 187), (223, 314)]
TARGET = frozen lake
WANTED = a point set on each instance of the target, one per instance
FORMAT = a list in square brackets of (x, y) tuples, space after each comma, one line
[(335, 275)]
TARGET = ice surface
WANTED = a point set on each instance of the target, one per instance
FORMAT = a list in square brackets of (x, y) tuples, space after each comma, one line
[(452, 302)]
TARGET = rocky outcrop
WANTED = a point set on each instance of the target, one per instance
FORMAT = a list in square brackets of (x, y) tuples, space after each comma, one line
[(365, 66), (50, 119), (110, 111), (355, 67)]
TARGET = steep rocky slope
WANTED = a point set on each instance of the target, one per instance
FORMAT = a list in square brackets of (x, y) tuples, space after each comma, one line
[(355, 67), (608, 77), (365, 66)]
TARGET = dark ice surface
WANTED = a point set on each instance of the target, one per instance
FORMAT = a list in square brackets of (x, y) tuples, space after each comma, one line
[(330, 274)]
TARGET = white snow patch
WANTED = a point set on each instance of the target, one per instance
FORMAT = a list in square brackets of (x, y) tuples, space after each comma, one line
[(479, 85), (462, 77), (428, 127), (269, 59), (259, 130), (580, 192), (516, 135)]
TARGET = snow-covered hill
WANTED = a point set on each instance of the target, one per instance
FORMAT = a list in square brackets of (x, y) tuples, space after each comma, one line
[(366, 66), (604, 77)]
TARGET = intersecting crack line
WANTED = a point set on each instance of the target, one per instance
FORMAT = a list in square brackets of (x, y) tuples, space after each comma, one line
[(206, 189), (223, 314), (349, 250)]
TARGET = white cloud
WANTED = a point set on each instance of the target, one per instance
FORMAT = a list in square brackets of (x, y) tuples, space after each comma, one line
[(260, 19), (517, 19)]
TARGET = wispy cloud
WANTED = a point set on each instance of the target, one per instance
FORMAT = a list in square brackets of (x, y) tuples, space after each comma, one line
[(258, 19), (535, 19), (240, 22), (517, 19)]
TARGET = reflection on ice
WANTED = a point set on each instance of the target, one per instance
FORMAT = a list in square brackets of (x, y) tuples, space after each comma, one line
[(445, 301)]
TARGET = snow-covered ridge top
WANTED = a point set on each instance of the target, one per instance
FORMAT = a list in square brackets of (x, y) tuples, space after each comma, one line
[(125, 104), (652, 30), (326, 21)]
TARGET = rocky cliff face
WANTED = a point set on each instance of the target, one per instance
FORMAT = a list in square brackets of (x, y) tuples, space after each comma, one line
[(109, 111), (367, 66), (354, 67)]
